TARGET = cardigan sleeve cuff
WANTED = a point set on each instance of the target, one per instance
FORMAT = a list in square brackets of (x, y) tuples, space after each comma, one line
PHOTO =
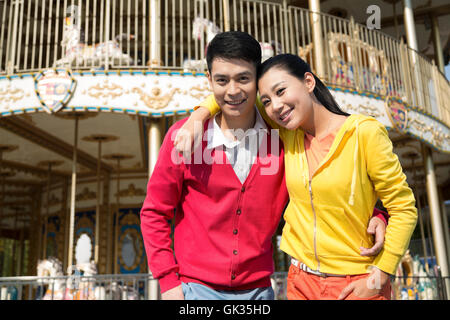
[(381, 215), (169, 281), (387, 262)]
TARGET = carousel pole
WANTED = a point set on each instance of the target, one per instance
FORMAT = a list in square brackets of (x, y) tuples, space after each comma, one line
[(34, 234), (97, 206), (72, 196), (21, 249), (316, 28), (435, 216), (413, 156), (154, 141), (47, 212), (99, 138), (76, 117), (118, 157), (445, 222), (116, 222), (49, 164), (154, 144), (13, 266), (226, 14), (37, 226)]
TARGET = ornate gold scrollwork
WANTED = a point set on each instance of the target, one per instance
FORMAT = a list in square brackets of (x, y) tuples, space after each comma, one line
[(371, 111), (106, 90), (156, 100), (200, 91), (10, 94), (439, 137)]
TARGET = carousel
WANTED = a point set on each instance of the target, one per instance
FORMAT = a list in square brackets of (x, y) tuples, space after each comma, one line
[(84, 110)]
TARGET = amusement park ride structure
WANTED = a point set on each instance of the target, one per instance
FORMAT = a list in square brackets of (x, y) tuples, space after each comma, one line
[(88, 90)]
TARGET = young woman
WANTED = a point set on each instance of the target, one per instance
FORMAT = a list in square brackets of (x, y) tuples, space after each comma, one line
[(337, 166)]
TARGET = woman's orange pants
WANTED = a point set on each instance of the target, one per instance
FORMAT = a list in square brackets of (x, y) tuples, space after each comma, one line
[(302, 285)]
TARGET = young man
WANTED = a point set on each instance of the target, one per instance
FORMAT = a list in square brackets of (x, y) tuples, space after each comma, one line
[(228, 201)]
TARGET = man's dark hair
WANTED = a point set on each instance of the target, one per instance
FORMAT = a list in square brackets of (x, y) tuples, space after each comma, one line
[(234, 45)]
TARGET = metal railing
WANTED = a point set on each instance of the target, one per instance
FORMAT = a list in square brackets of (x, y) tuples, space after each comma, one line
[(174, 34), (98, 287), (144, 287)]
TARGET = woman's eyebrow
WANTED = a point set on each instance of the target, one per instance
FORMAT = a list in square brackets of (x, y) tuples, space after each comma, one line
[(272, 89), (276, 85)]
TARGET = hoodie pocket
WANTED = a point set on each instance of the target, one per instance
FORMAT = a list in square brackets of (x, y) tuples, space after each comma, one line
[(299, 229), (339, 233)]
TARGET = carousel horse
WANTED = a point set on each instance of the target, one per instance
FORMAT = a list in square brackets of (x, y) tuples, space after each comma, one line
[(79, 53), (88, 290), (412, 281), (269, 49), (201, 26), (117, 291), (305, 52), (51, 267), (85, 289), (425, 286)]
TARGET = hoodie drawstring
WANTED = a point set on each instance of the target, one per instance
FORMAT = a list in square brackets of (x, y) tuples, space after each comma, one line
[(301, 163), (351, 200)]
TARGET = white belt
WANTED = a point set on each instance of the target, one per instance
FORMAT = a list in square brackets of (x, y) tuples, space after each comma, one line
[(305, 268)]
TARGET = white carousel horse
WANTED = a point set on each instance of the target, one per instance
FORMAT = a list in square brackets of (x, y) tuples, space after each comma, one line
[(201, 26), (51, 267), (425, 287), (85, 289), (269, 49), (79, 53)]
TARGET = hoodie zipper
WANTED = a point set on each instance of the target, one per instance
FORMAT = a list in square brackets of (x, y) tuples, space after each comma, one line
[(314, 211), (315, 226)]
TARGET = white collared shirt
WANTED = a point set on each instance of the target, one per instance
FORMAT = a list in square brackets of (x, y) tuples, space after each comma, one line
[(240, 153)]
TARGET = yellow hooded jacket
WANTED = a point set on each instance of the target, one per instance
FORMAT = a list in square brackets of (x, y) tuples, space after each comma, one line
[(327, 216)]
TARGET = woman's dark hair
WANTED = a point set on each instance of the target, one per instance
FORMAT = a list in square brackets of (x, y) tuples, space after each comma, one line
[(297, 67), (234, 45)]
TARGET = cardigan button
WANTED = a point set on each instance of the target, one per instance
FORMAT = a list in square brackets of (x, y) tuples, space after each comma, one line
[(238, 211), (242, 189), (235, 252), (235, 231), (233, 276)]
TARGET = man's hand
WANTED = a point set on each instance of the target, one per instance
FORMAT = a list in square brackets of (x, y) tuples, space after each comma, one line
[(173, 294), (366, 287), (191, 132), (376, 227)]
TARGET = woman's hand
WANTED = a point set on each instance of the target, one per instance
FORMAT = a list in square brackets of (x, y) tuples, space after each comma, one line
[(376, 227), (191, 132), (366, 287)]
